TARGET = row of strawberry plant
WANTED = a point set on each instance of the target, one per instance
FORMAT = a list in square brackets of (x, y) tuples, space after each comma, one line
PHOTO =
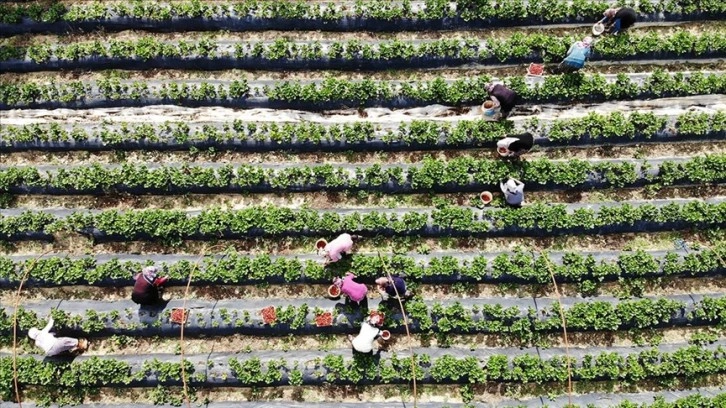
[(341, 368), (420, 134), (334, 93), (244, 15), (512, 317), (148, 52), (461, 174), (173, 226), (234, 268)]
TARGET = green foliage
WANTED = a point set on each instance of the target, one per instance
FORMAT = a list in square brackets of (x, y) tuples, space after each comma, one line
[(568, 87)]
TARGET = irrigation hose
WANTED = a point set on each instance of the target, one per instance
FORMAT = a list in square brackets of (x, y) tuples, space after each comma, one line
[(184, 321), (408, 333), (564, 332), (28, 268)]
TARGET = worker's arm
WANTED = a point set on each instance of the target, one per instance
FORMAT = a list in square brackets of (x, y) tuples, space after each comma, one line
[(48, 326), (520, 186)]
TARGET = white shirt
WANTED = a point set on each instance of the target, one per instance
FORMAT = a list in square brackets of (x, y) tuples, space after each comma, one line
[(363, 342), (513, 196), (506, 142), (46, 339)]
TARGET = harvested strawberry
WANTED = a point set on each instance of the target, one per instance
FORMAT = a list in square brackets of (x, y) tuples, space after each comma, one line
[(179, 315), (323, 320), (269, 315)]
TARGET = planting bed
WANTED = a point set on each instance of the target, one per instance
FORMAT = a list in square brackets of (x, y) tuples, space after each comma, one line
[(191, 136)]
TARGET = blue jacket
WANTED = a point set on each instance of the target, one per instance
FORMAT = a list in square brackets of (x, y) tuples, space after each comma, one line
[(577, 54)]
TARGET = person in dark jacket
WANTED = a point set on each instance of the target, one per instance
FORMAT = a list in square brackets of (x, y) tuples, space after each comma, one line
[(502, 96), (619, 19), (388, 288), (146, 288), (515, 146)]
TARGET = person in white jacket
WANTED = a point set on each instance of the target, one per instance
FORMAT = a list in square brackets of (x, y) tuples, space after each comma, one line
[(51, 345), (513, 191), (364, 341)]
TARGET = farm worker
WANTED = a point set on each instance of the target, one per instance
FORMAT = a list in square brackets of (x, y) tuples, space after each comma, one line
[(335, 249), (578, 53), (515, 146), (146, 288), (618, 19), (363, 342), (51, 345), (354, 290), (502, 97), (513, 191), (388, 288)]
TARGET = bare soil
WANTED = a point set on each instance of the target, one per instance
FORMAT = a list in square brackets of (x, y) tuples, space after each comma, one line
[(651, 287), (125, 345), (348, 200), (642, 151), (77, 245), (392, 75), (309, 36)]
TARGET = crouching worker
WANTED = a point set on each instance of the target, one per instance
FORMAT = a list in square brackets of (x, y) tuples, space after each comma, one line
[(353, 290), (618, 19), (513, 191), (578, 53), (504, 99), (391, 289), (53, 346), (147, 287), (365, 340), (515, 146), (335, 249)]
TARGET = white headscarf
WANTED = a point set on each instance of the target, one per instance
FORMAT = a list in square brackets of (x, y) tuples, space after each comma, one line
[(33, 333), (511, 186)]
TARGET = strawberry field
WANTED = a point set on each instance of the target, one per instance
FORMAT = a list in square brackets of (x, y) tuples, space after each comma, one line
[(219, 140)]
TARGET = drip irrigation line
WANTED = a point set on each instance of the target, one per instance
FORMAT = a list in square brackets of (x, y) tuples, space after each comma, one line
[(408, 333), (15, 326), (564, 331), (185, 386)]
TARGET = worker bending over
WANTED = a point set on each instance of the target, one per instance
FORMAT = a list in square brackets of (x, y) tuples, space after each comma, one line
[(504, 98), (354, 290), (147, 286), (618, 19), (335, 249), (365, 340), (576, 56), (515, 146), (53, 346)]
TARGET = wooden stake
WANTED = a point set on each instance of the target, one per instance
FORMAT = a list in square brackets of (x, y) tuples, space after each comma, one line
[(408, 333)]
